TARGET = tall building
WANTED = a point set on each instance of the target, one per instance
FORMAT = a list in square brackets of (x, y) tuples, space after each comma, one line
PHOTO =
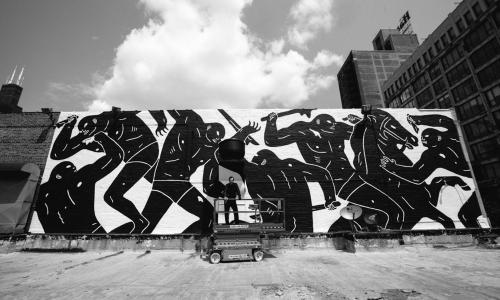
[(362, 76), (10, 93), (458, 66)]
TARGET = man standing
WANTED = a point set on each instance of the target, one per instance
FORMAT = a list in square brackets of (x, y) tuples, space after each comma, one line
[(232, 190)]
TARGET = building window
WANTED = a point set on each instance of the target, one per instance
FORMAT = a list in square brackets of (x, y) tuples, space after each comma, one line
[(420, 83), (496, 116), (405, 77), (485, 53), (489, 74), (493, 96), (496, 17), (410, 104), (397, 101), (460, 25), (424, 97), (458, 73), (478, 10), (470, 109), (394, 102), (444, 101), (415, 68), (480, 34), (451, 34), (489, 171), (445, 40), (430, 105), (485, 150), (489, 3), (439, 86), (468, 18), (405, 95), (452, 56), (437, 44), (410, 72), (419, 63), (434, 71), (464, 90), (476, 129), (426, 57), (431, 52)]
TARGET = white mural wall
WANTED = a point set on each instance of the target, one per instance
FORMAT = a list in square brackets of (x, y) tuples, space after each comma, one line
[(157, 171)]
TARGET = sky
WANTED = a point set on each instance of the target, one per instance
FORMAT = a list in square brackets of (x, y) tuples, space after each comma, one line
[(163, 54)]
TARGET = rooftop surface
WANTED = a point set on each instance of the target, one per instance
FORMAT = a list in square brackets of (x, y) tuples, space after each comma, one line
[(408, 273)]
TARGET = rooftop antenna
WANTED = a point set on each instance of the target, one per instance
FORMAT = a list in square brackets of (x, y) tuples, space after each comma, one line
[(13, 74), (20, 77)]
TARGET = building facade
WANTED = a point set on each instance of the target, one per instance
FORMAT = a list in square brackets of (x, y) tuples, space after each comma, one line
[(458, 66), (9, 98), (157, 172), (363, 73), (10, 93)]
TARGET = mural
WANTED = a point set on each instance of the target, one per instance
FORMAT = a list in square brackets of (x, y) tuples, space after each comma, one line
[(159, 171)]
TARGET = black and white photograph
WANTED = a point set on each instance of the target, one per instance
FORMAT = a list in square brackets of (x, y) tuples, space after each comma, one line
[(250, 149)]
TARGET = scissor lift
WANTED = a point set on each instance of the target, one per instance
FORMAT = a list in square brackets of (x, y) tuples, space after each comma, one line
[(242, 240)]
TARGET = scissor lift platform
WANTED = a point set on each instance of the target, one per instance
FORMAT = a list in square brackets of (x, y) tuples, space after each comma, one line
[(242, 240)]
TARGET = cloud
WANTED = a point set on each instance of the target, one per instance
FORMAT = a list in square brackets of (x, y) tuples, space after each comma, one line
[(199, 54), (326, 58), (98, 105), (310, 18), (63, 96)]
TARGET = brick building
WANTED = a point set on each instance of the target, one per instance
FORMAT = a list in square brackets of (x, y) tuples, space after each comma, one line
[(25, 140), (10, 93), (9, 98)]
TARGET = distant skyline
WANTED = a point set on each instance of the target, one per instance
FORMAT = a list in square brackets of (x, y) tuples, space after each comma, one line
[(159, 54)]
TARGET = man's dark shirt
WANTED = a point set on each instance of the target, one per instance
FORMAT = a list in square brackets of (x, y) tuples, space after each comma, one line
[(232, 190)]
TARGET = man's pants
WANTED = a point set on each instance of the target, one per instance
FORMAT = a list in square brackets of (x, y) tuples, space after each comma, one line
[(231, 203)]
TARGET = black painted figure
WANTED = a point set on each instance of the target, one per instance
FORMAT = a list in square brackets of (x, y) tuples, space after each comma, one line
[(443, 151), (320, 142), (470, 211), (190, 143), (268, 176), (438, 183), (404, 202), (66, 202), (137, 144), (231, 192), (435, 188)]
